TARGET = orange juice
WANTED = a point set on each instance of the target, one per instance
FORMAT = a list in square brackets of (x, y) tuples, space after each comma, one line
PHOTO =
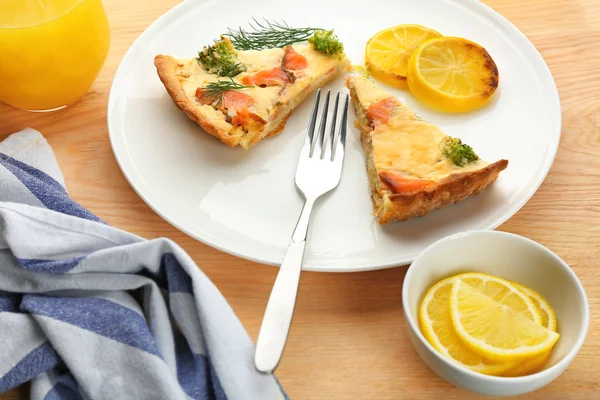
[(51, 51)]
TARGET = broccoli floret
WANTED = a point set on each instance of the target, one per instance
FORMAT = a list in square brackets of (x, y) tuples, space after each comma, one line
[(221, 59), (326, 42), (458, 152)]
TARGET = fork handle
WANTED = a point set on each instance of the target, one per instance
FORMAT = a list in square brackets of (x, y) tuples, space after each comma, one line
[(280, 307)]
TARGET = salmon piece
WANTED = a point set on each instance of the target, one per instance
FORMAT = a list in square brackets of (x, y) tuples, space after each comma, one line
[(381, 111), (245, 117), (241, 117), (292, 60), (234, 100), (273, 77), (202, 98), (403, 185)]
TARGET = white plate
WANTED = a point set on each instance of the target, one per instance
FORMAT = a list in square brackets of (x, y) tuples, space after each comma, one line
[(245, 203)]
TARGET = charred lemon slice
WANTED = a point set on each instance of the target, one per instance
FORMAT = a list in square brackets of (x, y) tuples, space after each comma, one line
[(451, 74)]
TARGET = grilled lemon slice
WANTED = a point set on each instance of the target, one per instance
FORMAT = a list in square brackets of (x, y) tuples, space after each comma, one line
[(451, 74)]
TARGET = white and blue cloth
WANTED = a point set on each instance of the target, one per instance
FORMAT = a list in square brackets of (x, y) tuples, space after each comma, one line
[(88, 311)]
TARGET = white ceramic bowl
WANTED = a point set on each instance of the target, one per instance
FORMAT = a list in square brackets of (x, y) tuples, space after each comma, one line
[(514, 258)]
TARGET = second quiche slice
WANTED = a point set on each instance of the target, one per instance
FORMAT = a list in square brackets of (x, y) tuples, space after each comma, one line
[(244, 96), (413, 167)]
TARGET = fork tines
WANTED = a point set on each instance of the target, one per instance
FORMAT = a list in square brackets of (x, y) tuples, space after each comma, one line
[(326, 146)]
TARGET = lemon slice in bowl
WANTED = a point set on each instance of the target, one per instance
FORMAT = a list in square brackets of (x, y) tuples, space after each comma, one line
[(504, 292), (388, 51), (527, 367), (546, 312), (548, 321), (436, 325), (452, 74), (490, 326)]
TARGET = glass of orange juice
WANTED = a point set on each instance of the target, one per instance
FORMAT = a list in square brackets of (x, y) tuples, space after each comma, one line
[(51, 51)]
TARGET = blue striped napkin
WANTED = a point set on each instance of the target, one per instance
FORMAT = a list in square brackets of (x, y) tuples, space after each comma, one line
[(88, 311)]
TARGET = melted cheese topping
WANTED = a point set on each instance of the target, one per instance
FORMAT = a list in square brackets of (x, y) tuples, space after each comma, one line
[(368, 93), (265, 99), (318, 64), (407, 144), (259, 60)]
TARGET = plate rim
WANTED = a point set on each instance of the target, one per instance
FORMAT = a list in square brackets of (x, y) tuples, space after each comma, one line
[(475, 5)]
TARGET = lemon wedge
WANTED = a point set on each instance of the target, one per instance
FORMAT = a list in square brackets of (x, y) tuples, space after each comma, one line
[(452, 74), (495, 322), (436, 325), (388, 51)]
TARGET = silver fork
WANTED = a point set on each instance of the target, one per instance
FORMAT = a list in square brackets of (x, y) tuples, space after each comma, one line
[(318, 172)]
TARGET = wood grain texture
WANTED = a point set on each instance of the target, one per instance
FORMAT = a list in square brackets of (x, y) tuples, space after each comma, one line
[(348, 340)]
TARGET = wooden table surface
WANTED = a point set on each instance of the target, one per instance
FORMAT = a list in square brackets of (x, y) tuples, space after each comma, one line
[(348, 339)]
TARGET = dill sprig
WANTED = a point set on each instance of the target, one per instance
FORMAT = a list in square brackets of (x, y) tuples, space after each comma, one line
[(213, 91), (233, 69), (268, 35)]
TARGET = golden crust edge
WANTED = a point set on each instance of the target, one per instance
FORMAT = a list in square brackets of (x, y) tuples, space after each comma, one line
[(450, 190), (166, 67)]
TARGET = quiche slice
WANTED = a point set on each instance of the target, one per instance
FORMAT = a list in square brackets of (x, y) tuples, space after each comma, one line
[(413, 167), (264, 87)]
